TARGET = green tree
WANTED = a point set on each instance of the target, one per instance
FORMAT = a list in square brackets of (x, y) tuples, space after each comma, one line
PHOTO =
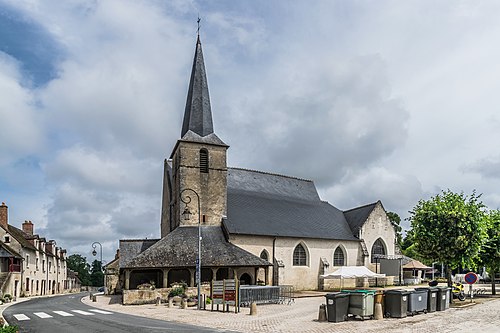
[(96, 274), (78, 264), (449, 228), (490, 251), (395, 221)]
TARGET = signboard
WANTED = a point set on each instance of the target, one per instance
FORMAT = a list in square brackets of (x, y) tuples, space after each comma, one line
[(217, 292), (225, 292), (470, 278), (230, 292)]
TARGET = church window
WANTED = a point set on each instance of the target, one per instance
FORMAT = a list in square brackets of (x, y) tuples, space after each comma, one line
[(338, 257), (264, 255), (378, 249), (204, 160), (299, 256)]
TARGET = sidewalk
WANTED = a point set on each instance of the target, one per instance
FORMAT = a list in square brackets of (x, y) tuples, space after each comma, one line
[(302, 316)]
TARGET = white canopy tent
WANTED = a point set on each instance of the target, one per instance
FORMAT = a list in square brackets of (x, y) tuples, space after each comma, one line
[(349, 272)]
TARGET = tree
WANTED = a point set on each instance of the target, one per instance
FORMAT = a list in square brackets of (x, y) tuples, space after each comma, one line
[(449, 228), (395, 221), (490, 251), (96, 274), (78, 264)]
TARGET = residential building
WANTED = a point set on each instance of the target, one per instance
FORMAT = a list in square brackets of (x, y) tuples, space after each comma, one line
[(30, 264)]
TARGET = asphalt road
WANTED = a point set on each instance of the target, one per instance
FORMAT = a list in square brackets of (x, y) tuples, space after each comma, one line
[(68, 314)]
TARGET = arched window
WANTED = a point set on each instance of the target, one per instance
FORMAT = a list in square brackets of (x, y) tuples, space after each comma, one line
[(299, 256), (264, 255), (338, 257), (378, 248), (203, 160)]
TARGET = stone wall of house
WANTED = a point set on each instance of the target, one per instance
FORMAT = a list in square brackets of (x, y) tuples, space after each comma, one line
[(318, 252), (378, 226), (211, 187)]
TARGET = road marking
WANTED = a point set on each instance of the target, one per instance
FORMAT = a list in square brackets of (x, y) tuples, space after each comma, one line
[(85, 313), (21, 317), (42, 315), (63, 313), (100, 311)]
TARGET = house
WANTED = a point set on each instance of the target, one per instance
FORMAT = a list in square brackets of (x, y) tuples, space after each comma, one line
[(258, 227), (30, 264)]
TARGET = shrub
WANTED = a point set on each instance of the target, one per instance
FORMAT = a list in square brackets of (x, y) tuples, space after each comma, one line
[(9, 329), (177, 291)]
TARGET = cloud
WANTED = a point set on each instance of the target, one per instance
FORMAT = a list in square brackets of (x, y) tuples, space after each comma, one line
[(487, 167), (21, 127)]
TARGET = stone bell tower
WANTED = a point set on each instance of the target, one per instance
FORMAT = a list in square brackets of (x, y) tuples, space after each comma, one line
[(197, 165)]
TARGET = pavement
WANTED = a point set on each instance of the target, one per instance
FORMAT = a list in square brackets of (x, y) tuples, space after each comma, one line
[(302, 314)]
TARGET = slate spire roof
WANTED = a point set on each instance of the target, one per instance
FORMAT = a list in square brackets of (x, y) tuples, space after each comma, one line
[(198, 114)]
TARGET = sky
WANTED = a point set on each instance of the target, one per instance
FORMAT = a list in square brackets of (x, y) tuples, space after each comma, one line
[(373, 100)]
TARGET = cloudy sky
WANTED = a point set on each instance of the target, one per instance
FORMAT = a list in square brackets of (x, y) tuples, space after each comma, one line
[(389, 100)]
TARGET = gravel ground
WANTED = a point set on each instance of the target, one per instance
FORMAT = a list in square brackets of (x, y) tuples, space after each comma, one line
[(301, 316)]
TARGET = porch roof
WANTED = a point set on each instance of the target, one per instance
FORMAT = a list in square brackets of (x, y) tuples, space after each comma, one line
[(179, 249)]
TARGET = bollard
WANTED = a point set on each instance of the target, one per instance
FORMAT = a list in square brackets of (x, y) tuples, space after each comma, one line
[(158, 300), (170, 302), (94, 298), (90, 296), (322, 313), (253, 309), (184, 303), (378, 315)]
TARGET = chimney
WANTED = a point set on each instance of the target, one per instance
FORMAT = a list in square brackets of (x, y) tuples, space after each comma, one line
[(28, 227), (117, 255), (4, 216)]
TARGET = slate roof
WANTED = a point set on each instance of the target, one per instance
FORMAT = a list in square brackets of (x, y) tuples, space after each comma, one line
[(198, 113), (356, 217), (21, 237), (267, 204), (130, 248), (9, 250), (180, 249)]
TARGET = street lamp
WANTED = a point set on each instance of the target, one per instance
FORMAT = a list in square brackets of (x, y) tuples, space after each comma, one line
[(94, 253), (187, 215)]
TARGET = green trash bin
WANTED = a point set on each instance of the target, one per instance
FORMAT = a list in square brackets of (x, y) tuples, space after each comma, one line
[(431, 298), (336, 306), (396, 303), (361, 303)]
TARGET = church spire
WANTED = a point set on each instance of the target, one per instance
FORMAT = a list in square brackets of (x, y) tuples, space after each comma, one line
[(198, 114)]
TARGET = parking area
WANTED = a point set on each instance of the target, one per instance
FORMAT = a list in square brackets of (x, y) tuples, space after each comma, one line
[(301, 316)]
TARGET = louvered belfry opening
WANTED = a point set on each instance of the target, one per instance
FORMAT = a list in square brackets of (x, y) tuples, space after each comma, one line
[(203, 160)]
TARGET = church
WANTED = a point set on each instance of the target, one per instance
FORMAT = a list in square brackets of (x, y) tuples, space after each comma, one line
[(256, 226)]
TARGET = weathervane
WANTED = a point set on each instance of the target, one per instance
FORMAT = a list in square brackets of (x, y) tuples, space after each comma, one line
[(199, 19)]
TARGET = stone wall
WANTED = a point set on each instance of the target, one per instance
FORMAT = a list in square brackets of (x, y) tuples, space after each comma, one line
[(378, 226), (137, 297), (301, 277)]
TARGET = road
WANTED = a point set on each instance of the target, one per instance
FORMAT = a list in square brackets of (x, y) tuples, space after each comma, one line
[(68, 314)]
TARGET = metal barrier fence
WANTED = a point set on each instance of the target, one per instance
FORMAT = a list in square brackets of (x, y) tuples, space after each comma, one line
[(266, 295)]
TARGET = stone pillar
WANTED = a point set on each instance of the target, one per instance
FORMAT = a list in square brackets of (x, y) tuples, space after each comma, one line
[(256, 275), (266, 274), (165, 277), (214, 274), (192, 273), (127, 279)]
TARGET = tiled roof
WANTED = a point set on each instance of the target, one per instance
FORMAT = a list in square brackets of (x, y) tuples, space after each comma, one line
[(180, 249)]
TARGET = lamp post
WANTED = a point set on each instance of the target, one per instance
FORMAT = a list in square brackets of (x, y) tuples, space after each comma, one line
[(94, 253), (187, 214)]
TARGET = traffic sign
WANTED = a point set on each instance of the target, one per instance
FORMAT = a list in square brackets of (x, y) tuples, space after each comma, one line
[(470, 278)]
